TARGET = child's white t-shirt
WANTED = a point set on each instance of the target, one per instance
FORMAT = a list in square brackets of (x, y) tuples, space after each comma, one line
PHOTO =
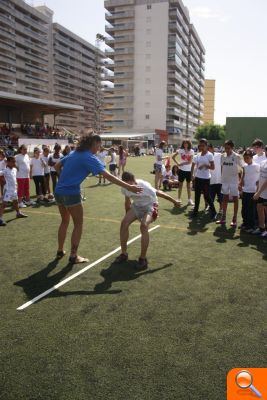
[(10, 175), (259, 159), (23, 164), (263, 178), (113, 158), (251, 177), (37, 167), (102, 156), (147, 198), (46, 168), (2, 164), (201, 160), (167, 174), (185, 157), (159, 154), (231, 165), (216, 174)]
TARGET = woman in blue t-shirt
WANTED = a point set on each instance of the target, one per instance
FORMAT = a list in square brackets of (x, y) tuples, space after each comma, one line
[(73, 169)]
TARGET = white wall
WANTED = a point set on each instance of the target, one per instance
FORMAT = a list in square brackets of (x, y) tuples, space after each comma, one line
[(151, 65)]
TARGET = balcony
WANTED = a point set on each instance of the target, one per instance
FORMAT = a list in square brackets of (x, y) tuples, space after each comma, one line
[(120, 27), (111, 4), (111, 17)]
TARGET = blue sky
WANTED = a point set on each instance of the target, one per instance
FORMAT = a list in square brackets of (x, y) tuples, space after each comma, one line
[(234, 33)]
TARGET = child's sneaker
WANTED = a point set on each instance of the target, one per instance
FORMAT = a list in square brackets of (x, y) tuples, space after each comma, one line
[(258, 232), (22, 205), (142, 264), (264, 234), (233, 223), (21, 215), (221, 221), (121, 258), (2, 223), (190, 203)]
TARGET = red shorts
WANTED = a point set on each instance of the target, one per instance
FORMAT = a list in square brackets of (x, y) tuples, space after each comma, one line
[(23, 188)]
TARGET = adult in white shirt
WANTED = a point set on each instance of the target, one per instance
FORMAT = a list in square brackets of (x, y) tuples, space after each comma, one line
[(23, 176), (186, 154), (45, 158), (143, 207), (232, 165), (258, 148), (216, 177), (202, 164), (249, 186), (52, 161), (158, 166), (261, 197)]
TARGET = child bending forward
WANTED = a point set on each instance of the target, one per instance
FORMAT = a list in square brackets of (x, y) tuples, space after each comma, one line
[(142, 207)]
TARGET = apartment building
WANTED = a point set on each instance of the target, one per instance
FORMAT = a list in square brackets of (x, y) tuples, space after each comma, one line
[(209, 101), (158, 64), (44, 60)]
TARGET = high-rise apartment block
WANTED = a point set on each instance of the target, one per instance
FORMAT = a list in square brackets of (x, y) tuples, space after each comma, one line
[(44, 60), (158, 62), (209, 101)]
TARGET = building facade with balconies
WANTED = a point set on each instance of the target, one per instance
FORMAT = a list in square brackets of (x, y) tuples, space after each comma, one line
[(158, 64), (44, 60)]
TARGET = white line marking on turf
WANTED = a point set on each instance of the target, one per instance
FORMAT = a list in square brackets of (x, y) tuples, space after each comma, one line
[(40, 296)]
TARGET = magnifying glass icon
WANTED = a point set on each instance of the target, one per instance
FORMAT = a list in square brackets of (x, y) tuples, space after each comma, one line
[(244, 380)]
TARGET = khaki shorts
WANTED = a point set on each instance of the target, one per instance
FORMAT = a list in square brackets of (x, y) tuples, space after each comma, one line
[(141, 212)]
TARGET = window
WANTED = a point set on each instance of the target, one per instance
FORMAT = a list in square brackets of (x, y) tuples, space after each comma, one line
[(148, 31), (148, 69), (147, 116), (148, 44), (149, 6), (148, 80), (147, 92), (148, 56), (148, 19), (147, 105)]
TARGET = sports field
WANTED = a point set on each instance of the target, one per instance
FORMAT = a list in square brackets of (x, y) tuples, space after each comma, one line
[(171, 332)]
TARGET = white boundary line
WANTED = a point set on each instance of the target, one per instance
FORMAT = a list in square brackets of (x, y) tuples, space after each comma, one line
[(40, 296)]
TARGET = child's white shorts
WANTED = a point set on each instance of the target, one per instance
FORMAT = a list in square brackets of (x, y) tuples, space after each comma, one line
[(230, 189), (10, 196)]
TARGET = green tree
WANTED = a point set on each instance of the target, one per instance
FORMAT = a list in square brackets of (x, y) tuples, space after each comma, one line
[(211, 132)]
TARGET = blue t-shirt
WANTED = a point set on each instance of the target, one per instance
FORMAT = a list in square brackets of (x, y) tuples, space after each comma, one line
[(76, 167)]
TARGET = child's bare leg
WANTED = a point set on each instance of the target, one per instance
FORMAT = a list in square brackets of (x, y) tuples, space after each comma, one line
[(225, 204), (235, 207), (129, 218), (261, 215), (16, 206), (146, 221), (2, 209)]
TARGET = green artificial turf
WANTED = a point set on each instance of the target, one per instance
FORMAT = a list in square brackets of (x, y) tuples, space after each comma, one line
[(172, 332)]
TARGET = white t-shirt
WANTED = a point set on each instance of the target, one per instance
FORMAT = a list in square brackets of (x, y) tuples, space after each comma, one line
[(23, 164), (251, 177), (216, 174), (259, 159), (200, 160), (37, 167), (10, 176), (54, 160), (45, 160), (102, 156), (167, 174), (147, 198), (263, 178), (159, 154), (2, 164), (231, 165), (185, 157), (113, 158)]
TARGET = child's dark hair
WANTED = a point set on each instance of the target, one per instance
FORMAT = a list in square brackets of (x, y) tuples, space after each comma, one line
[(162, 144), (175, 168), (229, 143), (257, 143), (10, 158), (210, 146), (87, 141), (203, 141), (248, 153), (189, 143), (128, 177)]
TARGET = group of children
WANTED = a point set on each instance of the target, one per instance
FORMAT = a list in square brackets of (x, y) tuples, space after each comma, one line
[(115, 168), (227, 175)]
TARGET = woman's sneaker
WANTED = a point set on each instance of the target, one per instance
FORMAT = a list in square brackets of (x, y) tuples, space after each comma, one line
[(258, 232), (2, 223), (233, 223), (121, 258), (221, 221), (22, 205), (264, 234), (190, 203), (21, 215)]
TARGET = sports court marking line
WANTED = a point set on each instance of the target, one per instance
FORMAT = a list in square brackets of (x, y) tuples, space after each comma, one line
[(116, 221), (70, 278)]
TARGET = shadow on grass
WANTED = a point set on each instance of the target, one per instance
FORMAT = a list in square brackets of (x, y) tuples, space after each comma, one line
[(254, 242), (223, 234), (176, 210), (198, 224), (124, 272)]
